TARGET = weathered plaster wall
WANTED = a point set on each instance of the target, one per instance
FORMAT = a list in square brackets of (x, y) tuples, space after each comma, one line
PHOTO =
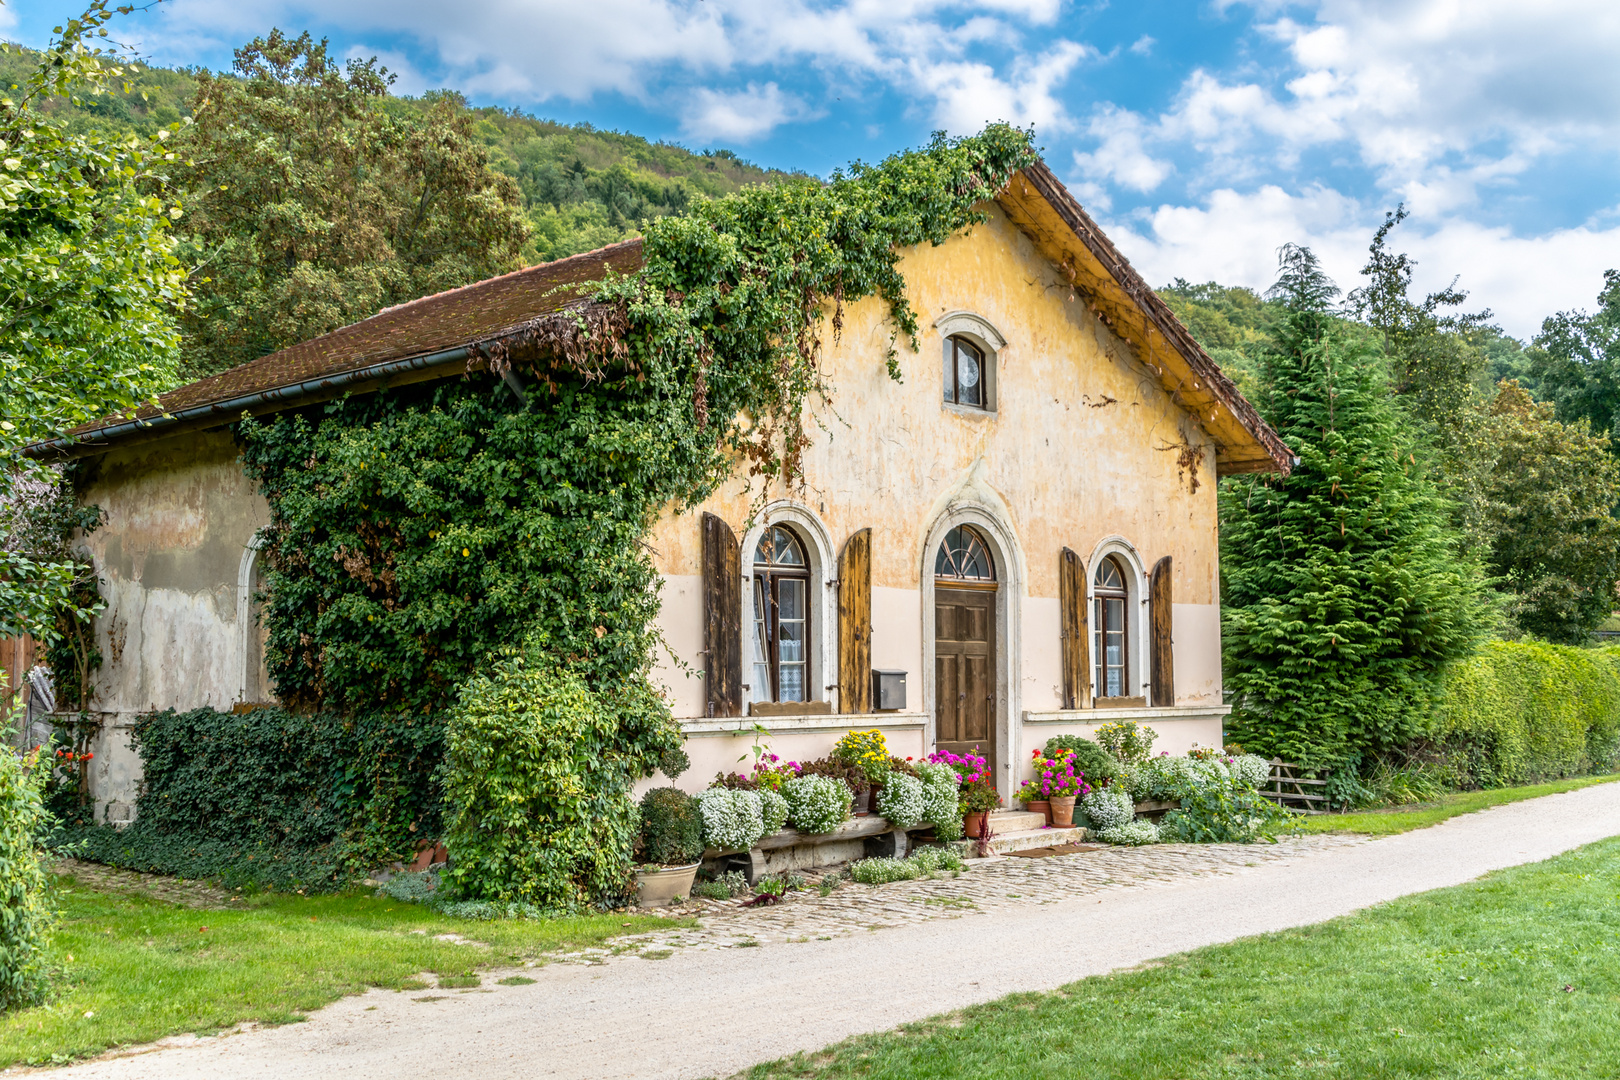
[(1084, 444), (179, 515)]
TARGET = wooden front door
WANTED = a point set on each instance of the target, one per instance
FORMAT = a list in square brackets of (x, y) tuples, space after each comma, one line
[(965, 671)]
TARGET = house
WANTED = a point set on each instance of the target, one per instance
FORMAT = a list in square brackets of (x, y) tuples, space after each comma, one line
[(1017, 540)]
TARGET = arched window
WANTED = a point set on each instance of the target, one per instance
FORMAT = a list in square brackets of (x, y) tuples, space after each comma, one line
[(781, 618), (963, 557), (967, 374), (1110, 640)]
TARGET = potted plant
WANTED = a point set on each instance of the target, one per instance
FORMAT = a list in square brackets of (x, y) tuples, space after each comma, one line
[(1060, 782), (978, 797), (1035, 800), (670, 848), (865, 754)]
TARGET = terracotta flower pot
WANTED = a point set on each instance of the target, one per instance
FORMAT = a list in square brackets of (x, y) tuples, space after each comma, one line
[(656, 886), (1062, 810), (1040, 806), (973, 824)]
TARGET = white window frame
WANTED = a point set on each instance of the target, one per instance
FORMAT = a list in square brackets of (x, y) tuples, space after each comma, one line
[(1138, 617), (822, 600), (989, 341)]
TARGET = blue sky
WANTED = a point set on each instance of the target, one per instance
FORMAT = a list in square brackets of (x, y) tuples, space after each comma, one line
[(1201, 134)]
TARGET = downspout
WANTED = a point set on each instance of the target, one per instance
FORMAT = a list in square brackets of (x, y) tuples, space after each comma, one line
[(245, 402)]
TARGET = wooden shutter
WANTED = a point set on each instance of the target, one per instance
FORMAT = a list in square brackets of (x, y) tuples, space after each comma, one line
[(855, 624), (1075, 631), (1164, 678), (722, 607)]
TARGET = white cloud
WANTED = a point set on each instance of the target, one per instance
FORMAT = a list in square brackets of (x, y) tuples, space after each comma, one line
[(969, 94), (1233, 238), (1120, 156), (1143, 46), (665, 50), (742, 115)]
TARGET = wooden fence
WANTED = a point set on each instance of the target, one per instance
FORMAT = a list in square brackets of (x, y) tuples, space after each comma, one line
[(1287, 788)]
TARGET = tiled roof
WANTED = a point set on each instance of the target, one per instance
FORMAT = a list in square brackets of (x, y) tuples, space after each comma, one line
[(446, 320)]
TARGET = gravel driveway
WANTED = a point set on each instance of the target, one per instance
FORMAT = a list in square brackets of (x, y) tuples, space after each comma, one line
[(711, 1010)]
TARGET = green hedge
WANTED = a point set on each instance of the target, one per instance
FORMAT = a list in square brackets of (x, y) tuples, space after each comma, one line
[(1520, 712), (271, 797)]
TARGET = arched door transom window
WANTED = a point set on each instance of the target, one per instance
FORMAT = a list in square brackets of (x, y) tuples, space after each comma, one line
[(963, 557), (1110, 642), (781, 618)]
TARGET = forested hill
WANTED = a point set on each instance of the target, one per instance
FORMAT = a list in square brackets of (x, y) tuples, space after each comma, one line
[(582, 187)]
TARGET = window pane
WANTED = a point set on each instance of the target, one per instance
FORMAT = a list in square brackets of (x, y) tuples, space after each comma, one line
[(793, 683), (970, 385), (787, 549), (791, 643), (762, 550), (759, 686), (790, 595), (1108, 576), (950, 370)]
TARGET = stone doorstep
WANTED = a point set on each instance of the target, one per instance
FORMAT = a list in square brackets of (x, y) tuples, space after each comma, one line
[(1011, 821), (1025, 839)]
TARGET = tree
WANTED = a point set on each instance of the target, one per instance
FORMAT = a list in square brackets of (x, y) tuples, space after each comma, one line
[(1552, 493), (1576, 357), (319, 206), (1345, 593), (89, 289)]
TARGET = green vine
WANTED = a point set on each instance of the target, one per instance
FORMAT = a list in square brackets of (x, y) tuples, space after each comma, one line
[(415, 533)]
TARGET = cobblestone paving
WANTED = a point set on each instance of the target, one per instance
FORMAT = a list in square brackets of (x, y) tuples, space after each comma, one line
[(195, 894), (987, 886)]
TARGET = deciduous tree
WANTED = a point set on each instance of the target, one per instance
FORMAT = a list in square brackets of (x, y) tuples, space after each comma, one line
[(318, 205)]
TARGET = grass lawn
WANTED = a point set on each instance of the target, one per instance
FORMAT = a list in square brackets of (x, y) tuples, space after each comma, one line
[(1516, 975), (1421, 815), (133, 969)]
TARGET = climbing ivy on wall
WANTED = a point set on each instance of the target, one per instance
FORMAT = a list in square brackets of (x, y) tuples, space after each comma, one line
[(416, 532)]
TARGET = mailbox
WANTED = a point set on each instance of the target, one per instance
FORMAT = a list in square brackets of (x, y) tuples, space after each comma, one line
[(889, 690)]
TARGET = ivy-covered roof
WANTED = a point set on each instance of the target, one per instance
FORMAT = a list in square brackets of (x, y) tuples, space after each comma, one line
[(489, 313)]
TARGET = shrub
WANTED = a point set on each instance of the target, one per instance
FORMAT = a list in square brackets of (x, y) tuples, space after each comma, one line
[(732, 820), (816, 804), (1518, 712), (1227, 813), (26, 915), (1109, 808), (1127, 740), (773, 811), (275, 798), (1132, 833), (672, 828), (1098, 765), (538, 786), (940, 799), (903, 800), (410, 886)]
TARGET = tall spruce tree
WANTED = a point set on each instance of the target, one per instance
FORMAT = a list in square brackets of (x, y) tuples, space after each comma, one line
[(1344, 591)]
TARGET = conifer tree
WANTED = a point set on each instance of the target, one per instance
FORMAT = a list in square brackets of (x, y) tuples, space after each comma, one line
[(1344, 591)]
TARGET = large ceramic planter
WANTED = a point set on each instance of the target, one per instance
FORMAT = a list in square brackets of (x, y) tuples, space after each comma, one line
[(973, 824), (1040, 806), (656, 887), (1062, 810)]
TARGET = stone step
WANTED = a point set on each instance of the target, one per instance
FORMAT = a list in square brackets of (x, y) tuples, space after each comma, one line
[(1010, 821), (1025, 839)]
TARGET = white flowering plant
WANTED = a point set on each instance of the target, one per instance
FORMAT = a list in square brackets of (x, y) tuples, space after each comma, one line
[(732, 820), (903, 799), (1109, 808), (774, 810), (817, 804), (941, 808), (1132, 834)]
